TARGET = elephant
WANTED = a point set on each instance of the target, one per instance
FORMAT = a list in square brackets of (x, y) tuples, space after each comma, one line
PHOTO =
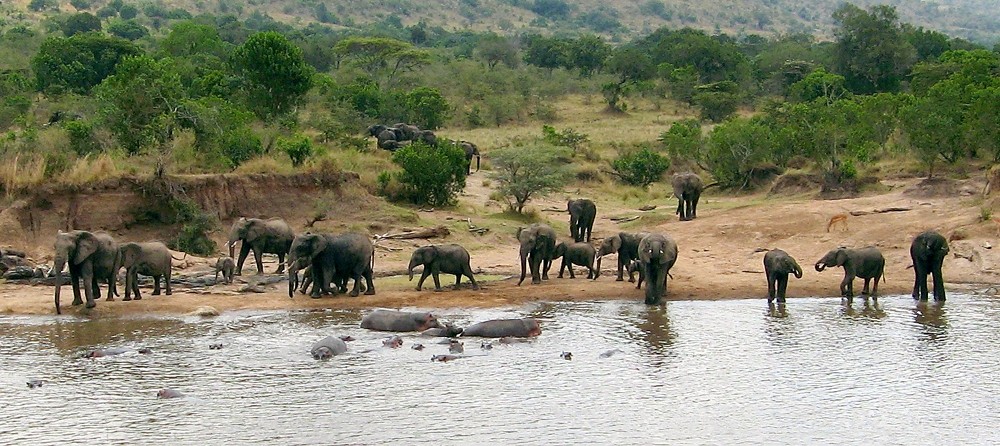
[(866, 263), (399, 321), (436, 259), (500, 328), (538, 242), (390, 145), (427, 137), (91, 257), (687, 188), (657, 255), (328, 347), (271, 236), (777, 265), (407, 132), (148, 259), (333, 260), (581, 253), (226, 266), (626, 245), (471, 151), (582, 213), (340, 280), (927, 252)]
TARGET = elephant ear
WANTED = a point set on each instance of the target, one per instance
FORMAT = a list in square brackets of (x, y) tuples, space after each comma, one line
[(616, 243), (841, 257), (86, 246), (255, 229), (130, 253)]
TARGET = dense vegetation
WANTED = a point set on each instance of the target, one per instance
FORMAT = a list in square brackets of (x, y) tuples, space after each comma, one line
[(124, 88)]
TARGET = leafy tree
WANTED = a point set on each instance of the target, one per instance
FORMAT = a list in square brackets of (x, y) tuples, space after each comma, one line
[(640, 168), (381, 57), (631, 65), (546, 52), (78, 63), (81, 137), (601, 19), (276, 75), (240, 145), (551, 9), (81, 5), (933, 129), (683, 141), (587, 54), (431, 175), (139, 102), (681, 81), (928, 44), (494, 49), (190, 38), (871, 51), (212, 119), (983, 121), (715, 59), (128, 12), (427, 107), (80, 23), (298, 148), (567, 138), (41, 5), (735, 148), (819, 84), (523, 172), (127, 29)]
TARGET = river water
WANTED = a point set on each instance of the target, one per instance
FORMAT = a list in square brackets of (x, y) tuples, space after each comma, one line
[(690, 372)]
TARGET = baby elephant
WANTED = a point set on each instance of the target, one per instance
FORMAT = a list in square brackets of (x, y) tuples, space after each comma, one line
[(580, 253), (866, 263), (436, 259), (226, 266), (777, 265)]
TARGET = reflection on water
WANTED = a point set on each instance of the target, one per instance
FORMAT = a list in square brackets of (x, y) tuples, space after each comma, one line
[(812, 371)]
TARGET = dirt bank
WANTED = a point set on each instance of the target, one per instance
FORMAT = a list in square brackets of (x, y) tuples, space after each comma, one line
[(720, 252)]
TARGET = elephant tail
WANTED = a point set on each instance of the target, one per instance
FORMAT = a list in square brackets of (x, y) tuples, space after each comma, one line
[(477, 162), (715, 184), (182, 257)]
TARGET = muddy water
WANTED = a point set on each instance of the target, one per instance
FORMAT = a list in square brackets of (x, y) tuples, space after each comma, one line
[(725, 372)]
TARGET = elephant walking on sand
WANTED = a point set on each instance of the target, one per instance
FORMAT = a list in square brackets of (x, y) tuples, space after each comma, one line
[(91, 258), (581, 254), (334, 259), (777, 265), (538, 244), (657, 255), (626, 245), (866, 263), (436, 259), (927, 252), (687, 188), (271, 236), (582, 213), (471, 151), (148, 259)]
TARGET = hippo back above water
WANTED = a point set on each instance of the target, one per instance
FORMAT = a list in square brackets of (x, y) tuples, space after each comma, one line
[(391, 320), (499, 328), (328, 347)]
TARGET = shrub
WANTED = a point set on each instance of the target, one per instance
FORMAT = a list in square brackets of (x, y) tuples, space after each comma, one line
[(526, 171), (240, 145), (298, 148), (431, 175), (716, 106), (81, 137), (640, 168)]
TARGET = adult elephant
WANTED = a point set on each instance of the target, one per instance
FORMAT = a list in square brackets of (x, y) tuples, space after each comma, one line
[(927, 252), (687, 188), (471, 151), (538, 244), (582, 213), (427, 137), (271, 236), (331, 256), (407, 132), (777, 266), (91, 258), (436, 259), (626, 245), (383, 134), (866, 263), (657, 254), (148, 259)]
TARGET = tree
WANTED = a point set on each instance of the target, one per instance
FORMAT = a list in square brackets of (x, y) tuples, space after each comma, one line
[(139, 102), (190, 38), (431, 175), (546, 52), (871, 51), (494, 49), (298, 148), (80, 23), (275, 73), (551, 9), (715, 59), (683, 141), (631, 65), (567, 138), (587, 54), (819, 84), (381, 57), (523, 172), (735, 148), (640, 168), (427, 107), (78, 63), (128, 29), (933, 129)]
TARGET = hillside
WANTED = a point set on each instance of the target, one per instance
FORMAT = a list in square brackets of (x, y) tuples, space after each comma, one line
[(977, 20)]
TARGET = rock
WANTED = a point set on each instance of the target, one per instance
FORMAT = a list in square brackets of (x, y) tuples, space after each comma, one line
[(204, 312), (987, 245), (11, 262), (13, 252), (19, 272), (251, 288)]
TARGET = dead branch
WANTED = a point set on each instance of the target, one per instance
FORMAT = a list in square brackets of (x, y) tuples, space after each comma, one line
[(439, 231), (389, 248), (621, 220), (551, 209), (964, 256), (648, 207), (880, 211)]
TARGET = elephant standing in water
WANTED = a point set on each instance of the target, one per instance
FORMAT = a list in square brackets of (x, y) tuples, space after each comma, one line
[(687, 188), (777, 265), (626, 245), (271, 236), (657, 255), (538, 244), (927, 252), (582, 213), (148, 259), (471, 151), (350, 255), (91, 257), (866, 263), (436, 259)]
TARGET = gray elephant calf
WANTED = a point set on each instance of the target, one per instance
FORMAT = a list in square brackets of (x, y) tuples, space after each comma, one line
[(581, 254), (226, 266), (436, 259), (148, 259), (777, 265), (866, 263), (626, 245), (499, 328), (328, 347), (391, 320)]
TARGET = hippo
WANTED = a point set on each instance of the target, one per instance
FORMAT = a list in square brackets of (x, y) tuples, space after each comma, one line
[(566, 355), (393, 342), (418, 347), (486, 345), (499, 328), (102, 352), (216, 346), (328, 347), (456, 347), (35, 383), (444, 358), (390, 320), (609, 353), (169, 393), (448, 331)]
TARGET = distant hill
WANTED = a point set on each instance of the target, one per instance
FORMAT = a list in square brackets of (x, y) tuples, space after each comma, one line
[(977, 20)]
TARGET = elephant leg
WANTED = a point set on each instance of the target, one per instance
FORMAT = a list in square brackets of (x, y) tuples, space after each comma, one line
[(134, 276), (866, 289), (111, 290), (921, 285), (621, 266), (938, 282), (97, 287), (771, 289), (468, 273), (458, 280), (258, 256), (916, 282), (128, 285), (356, 291), (244, 252), (166, 282), (370, 285), (570, 266), (782, 286), (281, 263), (318, 277), (562, 268), (74, 280), (423, 276), (546, 265), (156, 285), (87, 274), (436, 275), (535, 263)]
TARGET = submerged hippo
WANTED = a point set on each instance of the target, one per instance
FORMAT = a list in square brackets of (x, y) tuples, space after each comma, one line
[(447, 331), (390, 320), (445, 358), (102, 352), (500, 328), (169, 393), (328, 347), (393, 342), (456, 347)]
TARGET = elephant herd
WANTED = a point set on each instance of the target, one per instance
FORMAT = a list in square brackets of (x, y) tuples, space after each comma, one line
[(391, 138)]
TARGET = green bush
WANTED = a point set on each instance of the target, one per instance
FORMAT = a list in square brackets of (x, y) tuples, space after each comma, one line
[(427, 108), (431, 175), (241, 145), (298, 148), (716, 106), (81, 137), (195, 226), (641, 167)]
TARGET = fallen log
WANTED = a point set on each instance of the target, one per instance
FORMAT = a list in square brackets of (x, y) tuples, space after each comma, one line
[(439, 231), (880, 211), (621, 220), (648, 207)]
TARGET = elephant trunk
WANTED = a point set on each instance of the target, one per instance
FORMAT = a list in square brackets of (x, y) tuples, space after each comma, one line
[(597, 265), (293, 276), (57, 267), (409, 270), (524, 262), (797, 271), (820, 266)]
